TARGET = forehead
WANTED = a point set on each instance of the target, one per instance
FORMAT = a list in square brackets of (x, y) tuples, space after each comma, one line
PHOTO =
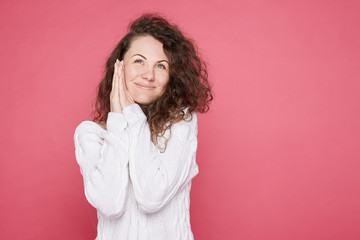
[(147, 46)]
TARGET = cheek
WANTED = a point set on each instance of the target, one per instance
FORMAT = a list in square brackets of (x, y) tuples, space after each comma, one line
[(129, 75), (163, 79), (126, 77), (165, 83)]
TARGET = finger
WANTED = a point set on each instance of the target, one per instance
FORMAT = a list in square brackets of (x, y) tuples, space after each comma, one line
[(121, 86), (127, 98), (116, 82), (114, 100), (120, 74), (113, 81), (130, 97)]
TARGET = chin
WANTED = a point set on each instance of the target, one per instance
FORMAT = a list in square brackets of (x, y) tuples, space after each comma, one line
[(143, 101)]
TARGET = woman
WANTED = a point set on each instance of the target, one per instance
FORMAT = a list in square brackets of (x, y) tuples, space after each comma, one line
[(138, 156)]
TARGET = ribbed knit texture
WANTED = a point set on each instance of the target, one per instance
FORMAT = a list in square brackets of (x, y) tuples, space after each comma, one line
[(140, 193)]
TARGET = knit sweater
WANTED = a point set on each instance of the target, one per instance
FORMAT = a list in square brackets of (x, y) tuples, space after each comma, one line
[(140, 192)]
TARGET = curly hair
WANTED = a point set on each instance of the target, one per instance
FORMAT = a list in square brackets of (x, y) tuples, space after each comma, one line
[(188, 86)]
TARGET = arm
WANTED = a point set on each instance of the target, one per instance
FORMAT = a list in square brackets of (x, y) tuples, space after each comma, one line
[(103, 160), (156, 176)]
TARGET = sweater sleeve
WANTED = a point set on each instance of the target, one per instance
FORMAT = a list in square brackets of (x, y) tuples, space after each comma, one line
[(103, 159), (157, 176)]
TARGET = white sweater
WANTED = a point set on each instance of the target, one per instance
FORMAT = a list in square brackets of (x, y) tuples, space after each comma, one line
[(139, 192)]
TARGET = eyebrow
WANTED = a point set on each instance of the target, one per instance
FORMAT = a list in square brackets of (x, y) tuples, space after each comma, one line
[(146, 59)]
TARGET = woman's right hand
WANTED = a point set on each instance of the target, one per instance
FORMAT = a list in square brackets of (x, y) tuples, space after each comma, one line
[(115, 105)]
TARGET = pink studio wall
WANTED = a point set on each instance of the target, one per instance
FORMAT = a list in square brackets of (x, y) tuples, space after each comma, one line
[(278, 152)]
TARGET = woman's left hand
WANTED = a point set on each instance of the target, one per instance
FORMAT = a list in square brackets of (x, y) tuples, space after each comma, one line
[(125, 97)]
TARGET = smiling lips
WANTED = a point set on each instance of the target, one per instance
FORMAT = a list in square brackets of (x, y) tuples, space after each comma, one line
[(144, 86)]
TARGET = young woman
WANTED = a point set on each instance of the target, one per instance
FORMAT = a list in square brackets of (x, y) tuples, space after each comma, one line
[(138, 156)]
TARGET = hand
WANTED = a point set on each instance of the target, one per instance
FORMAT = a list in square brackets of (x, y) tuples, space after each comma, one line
[(114, 94), (125, 97), (119, 95)]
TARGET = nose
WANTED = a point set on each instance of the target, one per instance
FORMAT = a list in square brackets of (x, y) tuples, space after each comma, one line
[(148, 74)]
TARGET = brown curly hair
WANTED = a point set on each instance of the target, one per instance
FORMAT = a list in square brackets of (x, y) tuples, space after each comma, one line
[(188, 85)]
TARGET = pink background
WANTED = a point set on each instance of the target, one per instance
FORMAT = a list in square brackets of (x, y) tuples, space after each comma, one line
[(278, 153)]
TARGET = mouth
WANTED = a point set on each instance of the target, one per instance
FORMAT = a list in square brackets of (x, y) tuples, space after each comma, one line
[(144, 86)]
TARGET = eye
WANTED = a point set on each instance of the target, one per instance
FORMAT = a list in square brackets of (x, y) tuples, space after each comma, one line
[(161, 66), (139, 61)]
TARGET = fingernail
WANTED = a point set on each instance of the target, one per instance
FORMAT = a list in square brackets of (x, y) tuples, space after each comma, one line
[(117, 60)]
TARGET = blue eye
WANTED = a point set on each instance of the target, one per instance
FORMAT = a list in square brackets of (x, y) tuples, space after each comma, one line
[(139, 61), (162, 66)]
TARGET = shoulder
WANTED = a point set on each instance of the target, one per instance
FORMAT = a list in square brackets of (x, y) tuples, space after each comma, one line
[(184, 133), (185, 127), (101, 124), (90, 129), (88, 139), (190, 120)]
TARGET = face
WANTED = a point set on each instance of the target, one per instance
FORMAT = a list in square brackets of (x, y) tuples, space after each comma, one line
[(146, 69)]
